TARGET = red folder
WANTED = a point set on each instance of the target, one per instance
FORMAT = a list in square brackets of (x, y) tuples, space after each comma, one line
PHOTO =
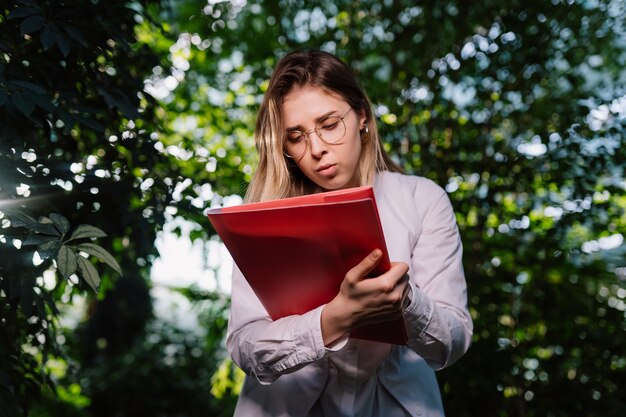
[(295, 252)]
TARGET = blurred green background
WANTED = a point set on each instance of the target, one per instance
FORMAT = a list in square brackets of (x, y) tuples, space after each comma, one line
[(123, 120)]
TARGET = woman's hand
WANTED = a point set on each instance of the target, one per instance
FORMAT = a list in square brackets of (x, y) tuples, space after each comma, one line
[(364, 300)]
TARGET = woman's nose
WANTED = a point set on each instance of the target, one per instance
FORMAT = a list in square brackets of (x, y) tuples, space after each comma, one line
[(316, 144)]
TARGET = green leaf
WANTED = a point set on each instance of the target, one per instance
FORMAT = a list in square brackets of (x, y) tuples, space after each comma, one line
[(32, 24), (47, 36), (45, 103), (18, 218), (89, 273), (86, 231), (100, 253), (47, 297), (64, 44), (43, 228), (74, 33), (60, 222), (49, 249), (23, 103), (117, 99), (34, 239), (67, 261), (28, 86), (81, 108), (3, 97), (91, 123), (22, 12)]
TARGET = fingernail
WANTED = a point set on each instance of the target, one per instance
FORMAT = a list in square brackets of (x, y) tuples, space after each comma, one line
[(376, 254)]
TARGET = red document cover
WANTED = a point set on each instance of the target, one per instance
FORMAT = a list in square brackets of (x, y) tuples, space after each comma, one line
[(295, 252)]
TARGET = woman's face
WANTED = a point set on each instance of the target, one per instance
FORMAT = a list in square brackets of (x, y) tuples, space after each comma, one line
[(331, 166)]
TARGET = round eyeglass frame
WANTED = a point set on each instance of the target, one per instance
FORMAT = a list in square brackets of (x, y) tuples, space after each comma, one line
[(317, 129)]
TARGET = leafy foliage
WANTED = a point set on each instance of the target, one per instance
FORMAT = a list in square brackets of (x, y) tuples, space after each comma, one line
[(49, 236), (68, 144), (79, 136), (517, 109)]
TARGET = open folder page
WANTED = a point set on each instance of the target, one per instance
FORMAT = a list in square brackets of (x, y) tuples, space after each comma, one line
[(295, 252)]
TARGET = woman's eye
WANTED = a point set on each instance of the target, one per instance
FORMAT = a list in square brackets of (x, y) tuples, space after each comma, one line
[(294, 137), (330, 125)]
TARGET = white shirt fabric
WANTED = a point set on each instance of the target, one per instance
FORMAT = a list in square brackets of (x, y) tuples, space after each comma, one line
[(291, 373)]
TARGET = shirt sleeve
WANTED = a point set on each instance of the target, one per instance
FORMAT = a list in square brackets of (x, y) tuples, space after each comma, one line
[(437, 319), (264, 348)]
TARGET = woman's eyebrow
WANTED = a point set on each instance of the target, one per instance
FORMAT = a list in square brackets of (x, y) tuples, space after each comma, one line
[(322, 117)]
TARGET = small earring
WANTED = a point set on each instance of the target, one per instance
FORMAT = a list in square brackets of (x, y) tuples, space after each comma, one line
[(364, 132)]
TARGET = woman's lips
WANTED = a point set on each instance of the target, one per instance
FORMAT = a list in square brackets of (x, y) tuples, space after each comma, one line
[(326, 170)]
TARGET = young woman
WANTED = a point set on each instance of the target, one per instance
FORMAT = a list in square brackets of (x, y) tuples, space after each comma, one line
[(316, 132)]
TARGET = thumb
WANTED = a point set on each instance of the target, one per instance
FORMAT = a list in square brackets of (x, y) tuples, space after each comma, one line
[(365, 266)]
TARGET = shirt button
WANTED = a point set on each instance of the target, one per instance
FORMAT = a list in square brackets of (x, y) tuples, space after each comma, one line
[(418, 412)]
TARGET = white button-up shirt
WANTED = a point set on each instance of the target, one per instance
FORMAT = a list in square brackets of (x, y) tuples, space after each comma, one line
[(291, 373)]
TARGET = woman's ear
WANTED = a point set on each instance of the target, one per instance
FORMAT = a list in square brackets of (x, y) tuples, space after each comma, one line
[(363, 126), (362, 120)]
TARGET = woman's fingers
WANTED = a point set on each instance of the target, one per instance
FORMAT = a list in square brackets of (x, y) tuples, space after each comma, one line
[(364, 267), (364, 300), (397, 275)]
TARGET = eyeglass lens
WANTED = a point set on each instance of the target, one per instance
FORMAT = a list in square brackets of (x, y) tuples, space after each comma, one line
[(330, 129)]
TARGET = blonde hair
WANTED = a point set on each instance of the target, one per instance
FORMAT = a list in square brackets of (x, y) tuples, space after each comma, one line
[(276, 175)]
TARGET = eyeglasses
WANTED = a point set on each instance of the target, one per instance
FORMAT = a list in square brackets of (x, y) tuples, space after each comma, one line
[(330, 129)]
